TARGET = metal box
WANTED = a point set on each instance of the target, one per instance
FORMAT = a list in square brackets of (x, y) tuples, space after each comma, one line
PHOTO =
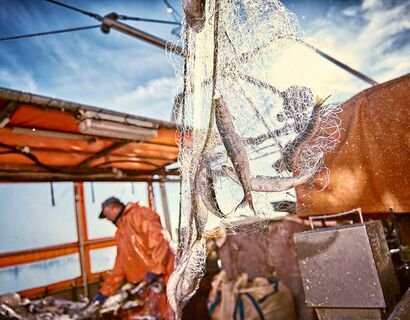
[(347, 267)]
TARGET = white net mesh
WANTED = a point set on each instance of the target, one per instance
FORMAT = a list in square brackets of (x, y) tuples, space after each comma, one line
[(245, 126)]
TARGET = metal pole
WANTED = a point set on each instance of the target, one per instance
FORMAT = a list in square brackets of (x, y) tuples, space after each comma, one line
[(346, 68), (341, 64), (165, 208), (151, 196), (82, 233), (110, 22)]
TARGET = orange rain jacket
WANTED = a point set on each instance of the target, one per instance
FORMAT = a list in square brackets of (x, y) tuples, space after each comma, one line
[(141, 248)]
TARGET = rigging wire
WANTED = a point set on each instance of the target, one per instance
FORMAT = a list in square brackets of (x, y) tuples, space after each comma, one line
[(175, 13), (122, 17), (28, 155), (32, 35), (177, 17), (87, 13)]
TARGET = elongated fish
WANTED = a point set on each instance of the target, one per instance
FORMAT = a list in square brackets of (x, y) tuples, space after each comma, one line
[(271, 184), (235, 148), (196, 215), (208, 195), (8, 312), (194, 14)]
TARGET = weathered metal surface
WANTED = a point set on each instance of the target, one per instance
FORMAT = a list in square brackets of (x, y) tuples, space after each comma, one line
[(383, 262), (260, 253), (402, 310), (349, 314), (340, 270)]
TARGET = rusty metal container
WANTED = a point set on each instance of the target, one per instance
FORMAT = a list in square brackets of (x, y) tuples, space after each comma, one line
[(347, 271)]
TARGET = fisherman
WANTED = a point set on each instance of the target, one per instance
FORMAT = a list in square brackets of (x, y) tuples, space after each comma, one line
[(143, 253)]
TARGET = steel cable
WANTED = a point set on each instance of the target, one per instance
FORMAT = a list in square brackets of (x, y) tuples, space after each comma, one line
[(24, 36)]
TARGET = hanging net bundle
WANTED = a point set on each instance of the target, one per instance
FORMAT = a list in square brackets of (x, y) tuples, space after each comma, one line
[(250, 132)]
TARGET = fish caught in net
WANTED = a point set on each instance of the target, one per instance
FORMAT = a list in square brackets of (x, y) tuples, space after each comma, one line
[(249, 134)]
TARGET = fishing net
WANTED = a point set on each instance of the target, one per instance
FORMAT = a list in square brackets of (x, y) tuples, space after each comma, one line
[(283, 128)]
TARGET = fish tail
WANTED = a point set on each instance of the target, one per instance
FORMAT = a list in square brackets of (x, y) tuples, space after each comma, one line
[(251, 206), (246, 200), (242, 203)]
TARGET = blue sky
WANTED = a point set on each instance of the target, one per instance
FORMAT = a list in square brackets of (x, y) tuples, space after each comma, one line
[(118, 72), (87, 66)]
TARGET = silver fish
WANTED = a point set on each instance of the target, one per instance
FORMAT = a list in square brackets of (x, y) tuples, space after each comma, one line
[(208, 195), (271, 184), (8, 313), (194, 14), (235, 148), (196, 215), (117, 301)]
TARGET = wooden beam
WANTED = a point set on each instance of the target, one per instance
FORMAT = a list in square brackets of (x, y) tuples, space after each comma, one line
[(32, 255), (102, 153), (50, 133), (154, 143), (7, 112), (49, 289), (21, 130), (54, 150), (7, 176), (165, 208), (88, 153), (82, 234), (11, 167), (74, 107), (100, 243), (60, 286)]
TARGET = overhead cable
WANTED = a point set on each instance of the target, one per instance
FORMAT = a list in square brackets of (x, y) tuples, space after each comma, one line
[(87, 13), (49, 32), (174, 12), (26, 152), (122, 17)]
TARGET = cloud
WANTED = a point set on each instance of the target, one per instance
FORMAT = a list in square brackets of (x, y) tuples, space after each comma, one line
[(371, 37), (23, 81), (121, 73), (87, 66), (154, 99)]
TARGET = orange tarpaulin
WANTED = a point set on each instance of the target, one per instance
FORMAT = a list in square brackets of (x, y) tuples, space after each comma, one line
[(370, 167), (41, 140)]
